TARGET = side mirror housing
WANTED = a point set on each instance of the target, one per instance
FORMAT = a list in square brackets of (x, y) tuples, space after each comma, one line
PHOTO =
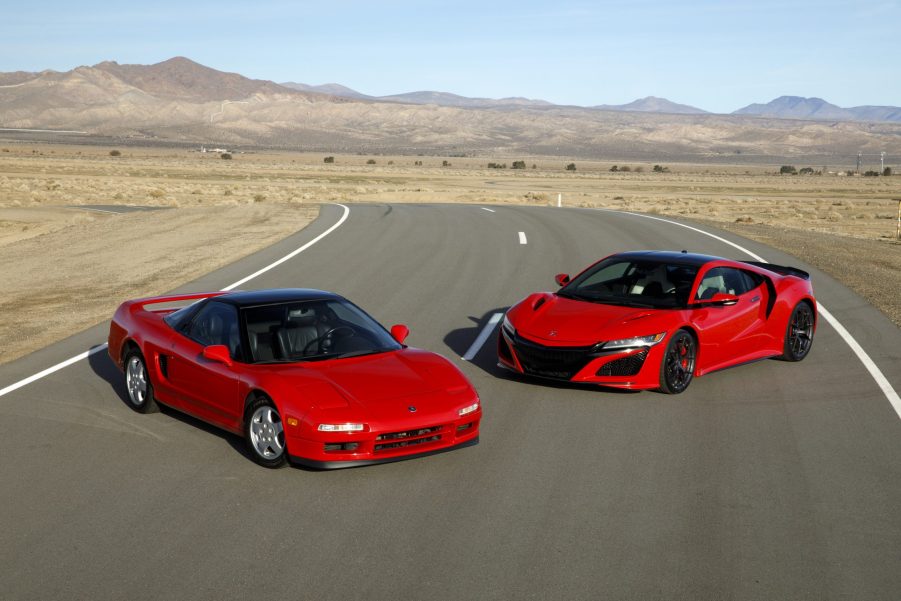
[(400, 332), (562, 279), (218, 353)]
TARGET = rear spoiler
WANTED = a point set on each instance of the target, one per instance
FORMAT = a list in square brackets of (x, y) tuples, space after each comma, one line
[(781, 269), (141, 303)]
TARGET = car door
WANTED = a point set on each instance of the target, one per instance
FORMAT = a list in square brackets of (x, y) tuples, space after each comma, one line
[(208, 389), (727, 333)]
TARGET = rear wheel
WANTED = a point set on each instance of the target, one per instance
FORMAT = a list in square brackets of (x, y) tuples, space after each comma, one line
[(265, 434), (137, 383), (798, 333), (678, 365)]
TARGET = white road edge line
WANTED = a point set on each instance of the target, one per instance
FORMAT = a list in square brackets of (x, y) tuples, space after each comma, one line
[(522, 238), (97, 349), (868, 363), (487, 209), (482, 337), (99, 210)]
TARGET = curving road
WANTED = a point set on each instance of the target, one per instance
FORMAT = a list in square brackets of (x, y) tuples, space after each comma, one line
[(768, 481)]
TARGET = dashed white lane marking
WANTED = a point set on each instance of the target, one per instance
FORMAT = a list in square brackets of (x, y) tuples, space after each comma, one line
[(522, 238), (868, 363), (101, 347), (482, 337), (487, 209)]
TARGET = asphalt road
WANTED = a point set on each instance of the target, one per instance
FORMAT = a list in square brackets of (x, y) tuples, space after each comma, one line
[(767, 481)]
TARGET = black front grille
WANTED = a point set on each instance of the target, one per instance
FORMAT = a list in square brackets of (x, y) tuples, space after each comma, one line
[(562, 362), (627, 366), (408, 438)]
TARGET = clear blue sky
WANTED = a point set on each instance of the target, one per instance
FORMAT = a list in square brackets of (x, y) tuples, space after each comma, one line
[(718, 56)]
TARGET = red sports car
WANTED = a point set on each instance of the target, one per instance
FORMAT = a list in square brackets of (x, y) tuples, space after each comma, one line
[(301, 374), (654, 319)]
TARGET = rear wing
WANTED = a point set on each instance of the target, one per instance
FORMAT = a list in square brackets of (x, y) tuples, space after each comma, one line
[(781, 269), (141, 303)]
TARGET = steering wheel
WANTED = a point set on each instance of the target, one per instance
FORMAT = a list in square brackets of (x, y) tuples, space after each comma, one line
[(328, 336)]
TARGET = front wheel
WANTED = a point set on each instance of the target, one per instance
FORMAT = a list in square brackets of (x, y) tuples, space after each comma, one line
[(264, 434), (798, 333), (137, 383), (678, 365)]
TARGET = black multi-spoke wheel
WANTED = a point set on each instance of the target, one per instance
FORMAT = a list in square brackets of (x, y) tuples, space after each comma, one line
[(137, 383), (264, 433), (678, 364), (798, 333)]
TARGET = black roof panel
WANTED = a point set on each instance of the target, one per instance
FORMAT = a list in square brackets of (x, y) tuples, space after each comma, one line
[(670, 256), (250, 298)]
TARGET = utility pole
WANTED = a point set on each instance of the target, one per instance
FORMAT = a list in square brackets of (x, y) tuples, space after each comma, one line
[(881, 163), (858, 163)]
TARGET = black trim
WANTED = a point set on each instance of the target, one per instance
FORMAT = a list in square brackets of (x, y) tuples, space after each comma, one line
[(781, 269), (334, 465)]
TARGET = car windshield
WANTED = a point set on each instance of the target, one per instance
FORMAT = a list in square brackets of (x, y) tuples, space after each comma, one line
[(633, 283), (312, 330)]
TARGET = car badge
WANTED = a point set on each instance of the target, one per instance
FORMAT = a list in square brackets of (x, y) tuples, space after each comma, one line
[(553, 333), (412, 409)]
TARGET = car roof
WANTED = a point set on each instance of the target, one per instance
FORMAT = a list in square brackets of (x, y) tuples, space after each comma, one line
[(251, 298), (669, 256)]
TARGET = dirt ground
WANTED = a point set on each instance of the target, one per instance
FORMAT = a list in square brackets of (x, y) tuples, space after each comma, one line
[(66, 267)]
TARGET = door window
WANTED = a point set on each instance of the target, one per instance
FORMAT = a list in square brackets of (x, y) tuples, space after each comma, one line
[(216, 323)]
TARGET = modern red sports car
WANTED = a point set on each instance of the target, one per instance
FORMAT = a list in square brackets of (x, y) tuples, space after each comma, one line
[(302, 374), (655, 319)]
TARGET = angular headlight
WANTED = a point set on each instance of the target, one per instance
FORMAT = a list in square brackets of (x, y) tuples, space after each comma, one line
[(508, 326), (341, 427), (468, 409), (634, 342)]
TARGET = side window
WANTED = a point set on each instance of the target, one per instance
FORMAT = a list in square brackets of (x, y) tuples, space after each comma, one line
[(216, 323), (725, 280), (752, 280)]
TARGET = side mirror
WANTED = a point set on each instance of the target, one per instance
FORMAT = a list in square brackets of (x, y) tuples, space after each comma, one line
[(218, 353), (562, 279), (400, 332)]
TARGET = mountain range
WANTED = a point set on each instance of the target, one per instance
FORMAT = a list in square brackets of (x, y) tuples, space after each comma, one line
[(181, 100)]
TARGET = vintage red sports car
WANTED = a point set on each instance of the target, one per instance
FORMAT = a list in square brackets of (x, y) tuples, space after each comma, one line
[(655, 319), (301, 374)]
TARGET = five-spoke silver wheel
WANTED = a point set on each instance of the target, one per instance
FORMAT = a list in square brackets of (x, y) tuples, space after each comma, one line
[(137, 383), (265, 433)]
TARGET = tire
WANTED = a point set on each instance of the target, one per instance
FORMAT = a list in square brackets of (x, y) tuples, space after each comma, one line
[(138, 386), (678, 364), (798, 333), (264, 434)]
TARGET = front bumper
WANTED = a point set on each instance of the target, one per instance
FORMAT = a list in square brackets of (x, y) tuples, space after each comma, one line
[(634, 369), (353, 449)]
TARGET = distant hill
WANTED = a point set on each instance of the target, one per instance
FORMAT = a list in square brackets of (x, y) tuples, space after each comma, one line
[(447, 99), (182, 78), (652, 104), (334, 89), (182, 101), (796, 107)]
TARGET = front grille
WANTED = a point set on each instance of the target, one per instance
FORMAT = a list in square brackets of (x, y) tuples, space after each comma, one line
[(562, 362), (408, 438), (627, 366)]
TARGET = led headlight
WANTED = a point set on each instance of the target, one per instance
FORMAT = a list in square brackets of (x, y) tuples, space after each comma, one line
[(508, 326), (341, 427), (637, 341), (468, 409)]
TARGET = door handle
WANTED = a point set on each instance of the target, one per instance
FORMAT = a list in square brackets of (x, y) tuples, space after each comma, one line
[(755, 299)]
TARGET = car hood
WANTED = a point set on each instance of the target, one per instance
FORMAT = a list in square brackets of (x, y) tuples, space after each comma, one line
[(559, 321)]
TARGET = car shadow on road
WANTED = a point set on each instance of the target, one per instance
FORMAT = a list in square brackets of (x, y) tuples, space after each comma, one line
[(460, 341), (103, 366)]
